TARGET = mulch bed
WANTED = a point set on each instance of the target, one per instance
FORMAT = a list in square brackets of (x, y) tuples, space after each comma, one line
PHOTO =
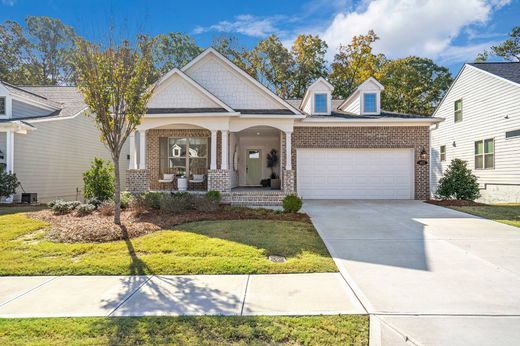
[(97, 228), (454, 203)]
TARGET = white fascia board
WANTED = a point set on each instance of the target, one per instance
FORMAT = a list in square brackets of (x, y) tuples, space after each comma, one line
[(192, 115), (242, 73), (273, 116)]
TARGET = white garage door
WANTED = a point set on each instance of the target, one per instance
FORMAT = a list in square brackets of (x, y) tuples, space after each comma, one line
[(355, 173)]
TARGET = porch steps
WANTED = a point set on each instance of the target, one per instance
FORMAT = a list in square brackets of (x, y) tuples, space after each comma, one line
[(256, 198)]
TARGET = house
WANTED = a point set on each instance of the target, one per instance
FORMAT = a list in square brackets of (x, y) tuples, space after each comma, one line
[(46, 139), (213, 120), (481, 114)]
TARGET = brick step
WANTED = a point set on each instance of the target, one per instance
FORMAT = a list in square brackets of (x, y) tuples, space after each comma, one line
[(255, 199)]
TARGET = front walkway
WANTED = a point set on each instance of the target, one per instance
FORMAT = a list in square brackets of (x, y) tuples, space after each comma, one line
[(165, 295), (427, 275)]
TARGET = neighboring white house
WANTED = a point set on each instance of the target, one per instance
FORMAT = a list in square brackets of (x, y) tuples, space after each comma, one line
[(481, 113), (47, 140)]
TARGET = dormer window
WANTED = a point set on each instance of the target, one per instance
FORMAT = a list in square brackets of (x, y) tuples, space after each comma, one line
[(2, 105), (370, 102), (320, 103)]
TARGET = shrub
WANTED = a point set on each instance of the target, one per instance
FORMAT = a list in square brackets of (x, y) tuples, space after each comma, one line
[(214, 196), (85, 209), (107, 208), (94, 201), (99, 180), (458, 182), (152, 199), (292, 204), (126, 199), (201, 203), (60, 207), (177, 202), (8, 183)]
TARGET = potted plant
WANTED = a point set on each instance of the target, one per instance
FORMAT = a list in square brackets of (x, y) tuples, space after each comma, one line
[(272, 161)]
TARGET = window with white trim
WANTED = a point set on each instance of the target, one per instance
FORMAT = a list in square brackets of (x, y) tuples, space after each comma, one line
[(458, 110), (370, 102), (183, 156), (320, 103), (443, 152), (485, 154), (2, 105)]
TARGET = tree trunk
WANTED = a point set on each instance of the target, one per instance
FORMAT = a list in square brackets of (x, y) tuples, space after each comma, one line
[(117, 194)]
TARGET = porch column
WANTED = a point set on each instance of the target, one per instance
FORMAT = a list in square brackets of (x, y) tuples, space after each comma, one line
[(225, 149), (133, 152), (9, 160), (142, 149), (288, 150), (213, 163)]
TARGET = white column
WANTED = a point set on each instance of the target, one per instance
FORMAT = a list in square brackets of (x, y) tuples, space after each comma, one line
[(288, 150), (9, 160), (213, 162), (142, 149), (133, 152), (225, 150)]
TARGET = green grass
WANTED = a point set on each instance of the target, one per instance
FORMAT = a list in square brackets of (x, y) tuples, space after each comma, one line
[(316, 330), (210, 247), (504, 213)]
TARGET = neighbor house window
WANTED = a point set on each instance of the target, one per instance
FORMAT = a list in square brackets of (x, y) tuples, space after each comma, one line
[(320, 103), (513, 134), (370, 103), (443, 153), (458, 111), (485, 154), (2, 105), (183, 156)]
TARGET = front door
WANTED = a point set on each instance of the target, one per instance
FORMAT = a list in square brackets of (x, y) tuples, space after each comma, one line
[(253, 166)]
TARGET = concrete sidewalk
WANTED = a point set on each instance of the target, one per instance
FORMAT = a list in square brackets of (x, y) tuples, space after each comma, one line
[(166, 295)]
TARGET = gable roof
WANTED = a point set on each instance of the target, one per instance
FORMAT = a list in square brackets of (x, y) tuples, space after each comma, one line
[(30, 96), (223, 106), (242, 73), (357, 90), (506, 70)]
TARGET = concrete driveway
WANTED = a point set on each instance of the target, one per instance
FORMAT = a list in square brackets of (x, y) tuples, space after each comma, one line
[(427, 275)]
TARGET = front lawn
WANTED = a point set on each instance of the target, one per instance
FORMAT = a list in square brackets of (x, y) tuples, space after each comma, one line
[(316, 330), (207, 247), (506, 213)]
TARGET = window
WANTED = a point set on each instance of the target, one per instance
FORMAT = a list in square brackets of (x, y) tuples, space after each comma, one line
[(485, 154), (183, 156), (443, 153), (2, 105), (320, 103), (458, 111), (512, 134), (370, 103)]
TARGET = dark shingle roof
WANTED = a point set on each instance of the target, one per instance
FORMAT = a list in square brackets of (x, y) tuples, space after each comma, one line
[(506, 70)]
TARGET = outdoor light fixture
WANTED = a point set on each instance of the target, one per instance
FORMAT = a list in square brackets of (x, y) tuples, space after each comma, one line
[(423, 154), (454, 144)]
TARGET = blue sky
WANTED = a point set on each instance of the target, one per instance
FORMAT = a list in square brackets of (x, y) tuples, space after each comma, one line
[(448, 31)]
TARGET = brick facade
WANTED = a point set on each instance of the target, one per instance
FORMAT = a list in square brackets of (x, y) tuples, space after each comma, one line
[(289, 181), (137, 180), (416, 137), (219, 180)]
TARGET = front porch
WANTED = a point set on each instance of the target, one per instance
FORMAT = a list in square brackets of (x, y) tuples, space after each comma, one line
[(192, 158)]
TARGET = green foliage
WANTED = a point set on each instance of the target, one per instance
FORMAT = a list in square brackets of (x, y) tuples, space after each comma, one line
[(508, 50), (292, 204), (126, 199), (177, 202), (308, 53), (458, 182), (8, 183), (99, 181), (214, 196), (173, 50), (425, 85), (60, 207), (151, 200), (85, 209)]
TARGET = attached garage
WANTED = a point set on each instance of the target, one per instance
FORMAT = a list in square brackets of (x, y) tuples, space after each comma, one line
[(355, 173)]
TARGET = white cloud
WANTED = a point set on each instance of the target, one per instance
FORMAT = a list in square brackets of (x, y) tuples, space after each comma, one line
[(245, 24), (9, 2), (412, 27), (467, 53)]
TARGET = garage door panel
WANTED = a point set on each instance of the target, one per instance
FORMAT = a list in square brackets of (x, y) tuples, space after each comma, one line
[(355, 173)]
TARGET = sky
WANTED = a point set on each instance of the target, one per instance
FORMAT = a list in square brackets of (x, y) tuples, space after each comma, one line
[(450, 32)]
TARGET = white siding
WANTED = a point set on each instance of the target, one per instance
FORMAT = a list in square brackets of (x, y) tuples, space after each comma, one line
[(354, 106), (177, 93), (486, 101), (24, 110), (51, 160), (229, 86)]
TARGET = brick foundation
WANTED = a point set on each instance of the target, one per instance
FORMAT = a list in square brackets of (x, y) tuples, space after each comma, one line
[(137, 180), (219, 180), (289, 186)]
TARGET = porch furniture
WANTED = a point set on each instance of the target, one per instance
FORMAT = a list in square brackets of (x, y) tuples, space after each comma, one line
[(182, 184), (167, 179), (197, 178)]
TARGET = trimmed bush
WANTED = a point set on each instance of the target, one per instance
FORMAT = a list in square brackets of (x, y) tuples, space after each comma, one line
[(60, 207), (99, 180), (8, 183), (85, 209), (214, 196), (177, 202), (152, 200), (292, 204), (458, 182)]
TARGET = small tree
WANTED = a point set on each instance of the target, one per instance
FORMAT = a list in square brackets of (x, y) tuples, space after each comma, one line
[(114, 84), (99, 180), (8, 183), (458, 182)]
